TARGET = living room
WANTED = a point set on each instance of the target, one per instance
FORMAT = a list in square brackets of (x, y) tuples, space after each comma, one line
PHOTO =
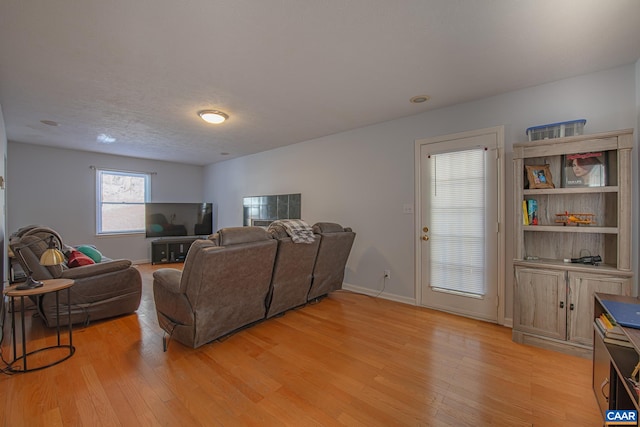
[(365, 165), (361, 178)]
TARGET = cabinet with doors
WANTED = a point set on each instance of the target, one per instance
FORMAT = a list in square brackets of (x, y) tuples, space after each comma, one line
[(553, 296)]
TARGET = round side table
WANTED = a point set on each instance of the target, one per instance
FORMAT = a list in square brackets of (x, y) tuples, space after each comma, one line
[(52, 285)]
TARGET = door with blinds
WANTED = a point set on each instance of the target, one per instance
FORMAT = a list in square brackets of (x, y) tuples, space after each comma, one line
[(458, 253)]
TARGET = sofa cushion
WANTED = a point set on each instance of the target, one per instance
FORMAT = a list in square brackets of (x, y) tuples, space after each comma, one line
[(238, 235), (91, 252), (327, 227), (78, 259), (92, 270)]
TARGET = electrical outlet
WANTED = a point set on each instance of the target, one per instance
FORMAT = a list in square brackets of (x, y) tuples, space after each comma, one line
[(387, 274)]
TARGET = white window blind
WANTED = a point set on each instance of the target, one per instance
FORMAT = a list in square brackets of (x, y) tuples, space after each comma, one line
[(457, 223)]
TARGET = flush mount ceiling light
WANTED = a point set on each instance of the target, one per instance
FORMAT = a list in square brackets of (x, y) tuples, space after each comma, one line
[(419, 99), (213, 116), (105, 139)]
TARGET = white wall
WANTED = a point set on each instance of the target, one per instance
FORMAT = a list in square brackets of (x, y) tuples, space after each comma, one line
[(4, 264), (56, 187), (4, 267), (362, 178)]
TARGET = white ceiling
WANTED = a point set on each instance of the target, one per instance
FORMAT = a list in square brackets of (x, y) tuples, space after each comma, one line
[(286, 71)]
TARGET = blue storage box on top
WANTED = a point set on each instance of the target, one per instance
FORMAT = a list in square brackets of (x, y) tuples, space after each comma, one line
[(556, 130)]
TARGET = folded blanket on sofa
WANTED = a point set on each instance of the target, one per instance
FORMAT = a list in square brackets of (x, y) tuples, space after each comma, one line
[(297, 229)]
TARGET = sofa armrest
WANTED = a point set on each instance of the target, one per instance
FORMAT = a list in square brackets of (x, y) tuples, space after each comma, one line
[(92, 270), (168, 279), (172, 305)]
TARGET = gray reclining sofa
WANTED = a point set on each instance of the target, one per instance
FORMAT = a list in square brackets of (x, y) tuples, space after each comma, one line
[(243, 275)]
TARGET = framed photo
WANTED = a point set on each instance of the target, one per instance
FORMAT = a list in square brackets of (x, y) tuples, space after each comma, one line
[(539, 176), (584, 170)]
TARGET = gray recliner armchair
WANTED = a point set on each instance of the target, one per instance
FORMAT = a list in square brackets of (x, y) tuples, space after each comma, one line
[(102, 290), (223, 286)]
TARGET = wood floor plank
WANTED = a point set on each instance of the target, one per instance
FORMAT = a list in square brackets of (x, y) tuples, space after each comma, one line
[(350, 360)]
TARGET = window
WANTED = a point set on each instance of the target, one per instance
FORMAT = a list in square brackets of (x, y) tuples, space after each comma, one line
[(120, 201)]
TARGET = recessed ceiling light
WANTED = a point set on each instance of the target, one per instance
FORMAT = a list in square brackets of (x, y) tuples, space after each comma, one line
[(105, 139), (419, 99), (213, 116), (49, 122)]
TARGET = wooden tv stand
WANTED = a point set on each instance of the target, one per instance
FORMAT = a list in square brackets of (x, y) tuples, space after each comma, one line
[(171, 249), (613, 364)]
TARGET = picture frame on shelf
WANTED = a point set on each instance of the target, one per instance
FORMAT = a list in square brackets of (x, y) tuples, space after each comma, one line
[(584, 169), (539, 176)]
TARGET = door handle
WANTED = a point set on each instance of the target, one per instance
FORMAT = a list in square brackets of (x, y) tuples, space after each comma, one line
[(425, 238), (425, 229), (561, 304)]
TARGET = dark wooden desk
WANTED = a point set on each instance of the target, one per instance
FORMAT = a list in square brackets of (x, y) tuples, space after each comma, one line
[(613, 364)]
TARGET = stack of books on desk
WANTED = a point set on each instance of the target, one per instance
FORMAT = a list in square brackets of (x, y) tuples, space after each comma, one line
[(612, 332)]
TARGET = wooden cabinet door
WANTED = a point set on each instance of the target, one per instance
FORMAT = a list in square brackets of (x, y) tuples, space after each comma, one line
[(581, 289), (540, 302)]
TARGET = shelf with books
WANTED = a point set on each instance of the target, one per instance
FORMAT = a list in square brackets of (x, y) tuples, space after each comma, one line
[(580, 220), (616, 341), (612, 333)]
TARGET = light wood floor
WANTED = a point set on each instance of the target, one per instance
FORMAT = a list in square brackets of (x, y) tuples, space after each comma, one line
[(348, 360)]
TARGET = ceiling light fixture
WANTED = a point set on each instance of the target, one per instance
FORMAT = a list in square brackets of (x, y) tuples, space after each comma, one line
[(419, 99), (105, 139), (213, 116)]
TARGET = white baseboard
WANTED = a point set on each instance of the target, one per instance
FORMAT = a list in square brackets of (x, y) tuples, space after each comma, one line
[(508, 322), (374, 293)]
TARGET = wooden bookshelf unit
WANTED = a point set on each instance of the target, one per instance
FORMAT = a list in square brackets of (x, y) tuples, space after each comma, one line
[(552, 295)]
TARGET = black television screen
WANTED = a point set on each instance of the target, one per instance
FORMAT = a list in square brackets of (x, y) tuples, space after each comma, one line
[(178, 219)]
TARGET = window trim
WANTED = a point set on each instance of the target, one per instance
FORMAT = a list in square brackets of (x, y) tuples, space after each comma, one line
[(99, 203)]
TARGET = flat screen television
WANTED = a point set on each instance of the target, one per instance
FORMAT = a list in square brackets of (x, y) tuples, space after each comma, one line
[(178, 219)]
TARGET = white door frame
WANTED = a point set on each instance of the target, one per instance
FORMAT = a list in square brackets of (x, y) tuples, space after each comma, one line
[(499, 133)]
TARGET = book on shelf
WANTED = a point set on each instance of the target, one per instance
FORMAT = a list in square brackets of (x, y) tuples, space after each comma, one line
[(615, 341), (612, 325), (613, 334), (525, 215), (622, 341), (532, 211)]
